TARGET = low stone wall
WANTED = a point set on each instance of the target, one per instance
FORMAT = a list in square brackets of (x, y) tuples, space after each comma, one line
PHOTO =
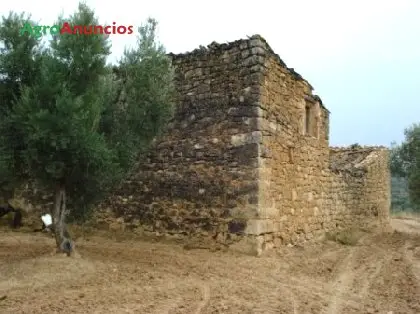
[(361, 179), (354, 192)]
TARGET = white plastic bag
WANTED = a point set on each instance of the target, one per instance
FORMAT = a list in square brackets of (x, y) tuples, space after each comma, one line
[(47, 220)]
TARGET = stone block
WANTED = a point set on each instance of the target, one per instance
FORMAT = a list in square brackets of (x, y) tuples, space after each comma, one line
[(259, 226), (247, 138)]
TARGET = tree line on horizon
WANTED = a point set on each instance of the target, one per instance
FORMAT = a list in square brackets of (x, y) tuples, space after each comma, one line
[(405, 171), (61, 124)]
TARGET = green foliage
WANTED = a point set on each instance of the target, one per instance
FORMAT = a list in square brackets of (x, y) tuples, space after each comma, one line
[(72, 130), (83, 57), (405, 162), (400, 200), (19, 64), (19, 67), (146, 79)]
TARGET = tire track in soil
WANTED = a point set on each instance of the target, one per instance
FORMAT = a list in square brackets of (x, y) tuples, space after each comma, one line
[(409, 256), (279, 291), (286, 292), (358, 270), (366, 265), (363, 265), (169, 281), (279, 294), (316, 290), (367, 283), (206, 298), (341, 285), (260, 302), (177, 303)]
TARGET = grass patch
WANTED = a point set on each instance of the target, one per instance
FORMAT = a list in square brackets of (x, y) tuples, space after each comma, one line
[(345, 237)]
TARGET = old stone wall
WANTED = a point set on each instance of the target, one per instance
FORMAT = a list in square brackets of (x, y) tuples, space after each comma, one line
[(360, 187), (246, 159), (294, 155), (248, 153), (201, 177), (306, 188)]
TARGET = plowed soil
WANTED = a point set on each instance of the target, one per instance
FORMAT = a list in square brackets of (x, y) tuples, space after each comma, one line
[(380, 274)]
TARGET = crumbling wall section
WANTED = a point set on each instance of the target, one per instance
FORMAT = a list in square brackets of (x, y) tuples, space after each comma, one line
[(360, 187)]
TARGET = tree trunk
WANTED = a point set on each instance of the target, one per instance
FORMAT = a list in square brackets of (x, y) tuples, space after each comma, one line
[(62, 237)]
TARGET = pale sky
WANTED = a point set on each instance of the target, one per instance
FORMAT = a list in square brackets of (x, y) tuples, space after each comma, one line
[(361, 56)]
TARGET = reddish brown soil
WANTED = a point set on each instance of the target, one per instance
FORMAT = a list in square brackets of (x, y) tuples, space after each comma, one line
[(378, 275)]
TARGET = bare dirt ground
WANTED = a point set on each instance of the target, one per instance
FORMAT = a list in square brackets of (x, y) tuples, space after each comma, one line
[(380, 274)]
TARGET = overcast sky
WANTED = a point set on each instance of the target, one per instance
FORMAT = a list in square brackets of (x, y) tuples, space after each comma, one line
[(361, 56)]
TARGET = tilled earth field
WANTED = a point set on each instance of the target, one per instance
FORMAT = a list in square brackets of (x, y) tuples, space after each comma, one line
[(380, 274)]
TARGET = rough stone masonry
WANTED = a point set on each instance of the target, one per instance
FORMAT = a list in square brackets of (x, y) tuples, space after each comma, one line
[(246, 159)]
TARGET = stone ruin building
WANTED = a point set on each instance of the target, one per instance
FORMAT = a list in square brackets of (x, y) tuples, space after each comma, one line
[(246, 159)]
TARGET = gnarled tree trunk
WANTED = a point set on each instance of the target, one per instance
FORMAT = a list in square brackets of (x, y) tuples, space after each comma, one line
[(62, 237)]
